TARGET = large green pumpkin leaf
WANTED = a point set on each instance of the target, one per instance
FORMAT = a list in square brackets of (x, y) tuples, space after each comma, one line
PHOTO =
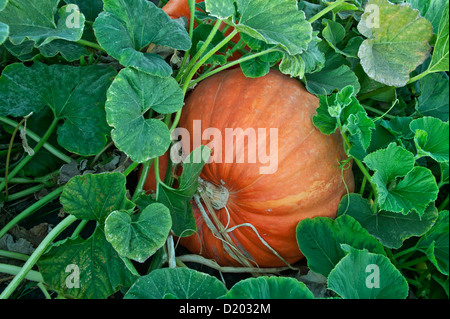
[(32, 20), (139, 236), (75, 94), (95, 196), (391, 229), (180, 283), (287, 28), (269, 288), (320, 238), (85, 269), (125, 28), (415, 191), (364, 275), (397, 41), (130, 96), (435, 243), (431, 138)]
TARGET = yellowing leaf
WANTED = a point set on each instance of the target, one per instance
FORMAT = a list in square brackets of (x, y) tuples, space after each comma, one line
[(397, 41)]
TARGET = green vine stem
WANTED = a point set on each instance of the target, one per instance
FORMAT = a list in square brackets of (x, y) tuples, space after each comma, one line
[(24, 161), (36, 138), (228, 65), (444, 204), (199, 53), (140, 185), (194, 69), (377, 111), (90, 44), (25, 192), (29, 264), (326, 10), (13, 255), (191, 32), (32, 275), (130, 168), (30, 210)]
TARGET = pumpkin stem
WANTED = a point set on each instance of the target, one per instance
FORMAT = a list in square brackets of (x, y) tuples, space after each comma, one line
[(218, 194)]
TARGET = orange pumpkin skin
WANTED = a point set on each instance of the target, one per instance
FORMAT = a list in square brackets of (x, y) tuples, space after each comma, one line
[(178, 8), (307, 183)]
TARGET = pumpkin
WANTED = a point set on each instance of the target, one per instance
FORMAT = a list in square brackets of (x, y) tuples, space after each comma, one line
[(256, 214), (178, 8)]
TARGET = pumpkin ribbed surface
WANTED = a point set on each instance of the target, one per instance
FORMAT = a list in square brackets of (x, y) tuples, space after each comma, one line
[(307, 182)]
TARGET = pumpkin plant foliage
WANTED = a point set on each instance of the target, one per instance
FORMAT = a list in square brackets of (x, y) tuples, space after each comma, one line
[(94, 97)]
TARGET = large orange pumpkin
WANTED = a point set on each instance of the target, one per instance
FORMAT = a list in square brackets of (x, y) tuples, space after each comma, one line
[(257, 211)]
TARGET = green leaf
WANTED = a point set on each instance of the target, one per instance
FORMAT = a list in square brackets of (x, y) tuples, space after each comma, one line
[(336, 67), (433, 99), (180, 209), (431, 10), (220, 9), (343, 109), (292, 65), (75, 94), (389, 163), (85, 269), (287, 28), (28, 22), (364, 275), (309, 61), (139, 236), (415, 191), (124, 29), (362, 126), (435, 243), (333, 33), (397, 41), (399, 127), (431, 138), (70, 51), (95, 196), (255, 68), (130, 96), (180, 283), (178, 201), (320, 238), (440, 58), (269, 288), (391, 229), (24, 51)]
